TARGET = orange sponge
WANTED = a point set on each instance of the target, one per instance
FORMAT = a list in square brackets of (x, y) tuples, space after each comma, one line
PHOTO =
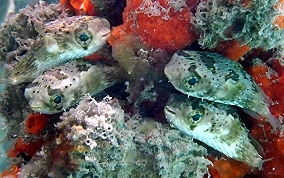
[(10, 172), (28, 148), (81, 7), (161, 28), (35, 122)]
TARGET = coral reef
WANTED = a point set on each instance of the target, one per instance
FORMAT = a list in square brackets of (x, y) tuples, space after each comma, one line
[(226, 168), (123, 132), (269, 76), (141, 45), (232, 49), (109, 9), (223, 20), (243, 24), (81, 7), (29, 149), (127, 152), (95, 141), (148, 19)]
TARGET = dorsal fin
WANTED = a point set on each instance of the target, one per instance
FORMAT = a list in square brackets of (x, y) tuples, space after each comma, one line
[(39, 26)]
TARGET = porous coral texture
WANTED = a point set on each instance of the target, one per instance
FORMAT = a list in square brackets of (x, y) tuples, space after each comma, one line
[(249, 22), (103, 145)]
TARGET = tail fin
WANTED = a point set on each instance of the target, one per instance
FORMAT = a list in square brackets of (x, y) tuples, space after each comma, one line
[(114, 73), (274, 122)]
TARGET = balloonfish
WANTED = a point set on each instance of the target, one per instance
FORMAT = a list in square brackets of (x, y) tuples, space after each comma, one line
[(214, 124), (60, 41), (62, 87), (215, 78)]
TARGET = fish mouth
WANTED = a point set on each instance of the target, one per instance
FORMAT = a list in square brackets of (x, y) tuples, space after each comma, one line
[(169, 114), (106, 35), (169, 110)]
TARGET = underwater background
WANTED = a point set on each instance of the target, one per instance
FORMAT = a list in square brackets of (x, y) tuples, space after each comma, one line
[(142, 88)]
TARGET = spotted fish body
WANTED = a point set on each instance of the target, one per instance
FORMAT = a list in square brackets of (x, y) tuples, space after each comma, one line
[(213, 77), (214, 124), (60, 41), (62, 87)]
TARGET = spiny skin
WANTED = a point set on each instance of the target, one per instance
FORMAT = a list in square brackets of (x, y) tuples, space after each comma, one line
[(60, 41), (215, 78), (62, 87), (215, 124)]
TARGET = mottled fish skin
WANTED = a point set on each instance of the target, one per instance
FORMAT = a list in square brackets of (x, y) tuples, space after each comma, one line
[(62, 87), (213, 77), (214, 124), (60, 41)]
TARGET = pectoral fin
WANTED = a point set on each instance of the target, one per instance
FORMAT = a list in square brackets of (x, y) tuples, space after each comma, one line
[(50, 44)]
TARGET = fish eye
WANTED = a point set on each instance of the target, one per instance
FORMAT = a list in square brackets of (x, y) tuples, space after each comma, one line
[(196, 117), (83, 37), (57, 99), (192, 81), (189, 82)]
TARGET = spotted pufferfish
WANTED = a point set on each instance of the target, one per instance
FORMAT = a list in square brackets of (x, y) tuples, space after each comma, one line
[(216, 78), (60, 41), (214, 124), (60, 88)]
